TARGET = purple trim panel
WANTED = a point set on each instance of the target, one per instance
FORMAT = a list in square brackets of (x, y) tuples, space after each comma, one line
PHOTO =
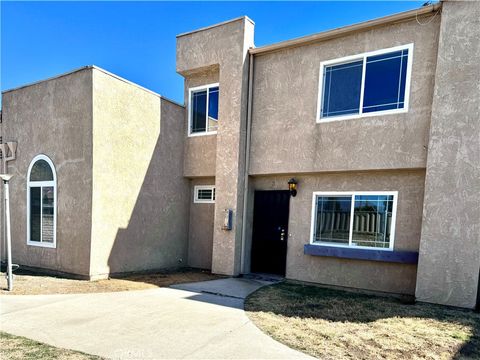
[(404, 257)]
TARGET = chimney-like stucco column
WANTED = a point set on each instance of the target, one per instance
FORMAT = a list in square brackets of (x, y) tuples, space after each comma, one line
[(449, 260), (224, 47)]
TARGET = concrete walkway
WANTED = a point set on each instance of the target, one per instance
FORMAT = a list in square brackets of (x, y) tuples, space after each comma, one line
[(162, 323)]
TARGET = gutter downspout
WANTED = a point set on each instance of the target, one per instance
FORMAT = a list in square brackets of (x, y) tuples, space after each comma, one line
[(247, 161)]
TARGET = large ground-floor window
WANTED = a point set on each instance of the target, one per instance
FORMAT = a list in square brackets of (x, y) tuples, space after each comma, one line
[(354, 219)]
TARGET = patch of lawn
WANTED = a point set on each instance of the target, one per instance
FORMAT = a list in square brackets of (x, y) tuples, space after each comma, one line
[(335, 324), (19, 348)]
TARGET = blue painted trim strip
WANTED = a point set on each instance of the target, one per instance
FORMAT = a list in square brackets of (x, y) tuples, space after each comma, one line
[(404, 257)]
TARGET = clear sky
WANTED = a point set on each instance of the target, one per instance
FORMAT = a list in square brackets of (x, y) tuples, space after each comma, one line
[(136, 40)]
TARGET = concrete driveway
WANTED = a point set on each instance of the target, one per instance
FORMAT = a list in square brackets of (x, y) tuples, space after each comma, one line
[(201, 320)]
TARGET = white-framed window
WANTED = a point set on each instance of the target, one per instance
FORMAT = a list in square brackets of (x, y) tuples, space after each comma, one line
[(203, 110), (41, 202), (354, 219), (204, 194), (372, 83)]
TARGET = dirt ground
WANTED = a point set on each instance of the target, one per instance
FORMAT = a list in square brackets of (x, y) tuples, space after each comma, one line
[(29, 283)]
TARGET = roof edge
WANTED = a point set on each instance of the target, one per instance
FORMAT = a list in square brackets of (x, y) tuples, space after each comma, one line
[(345, 30), (135, 84), (216, 25), (48, 78), (91, 67)]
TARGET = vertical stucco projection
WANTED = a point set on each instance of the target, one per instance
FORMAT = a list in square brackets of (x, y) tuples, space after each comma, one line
[(285, 135), (450, 247), (140, 198), (371, 275), (225, 46), (53, 117), (200, 151), (200, 234)]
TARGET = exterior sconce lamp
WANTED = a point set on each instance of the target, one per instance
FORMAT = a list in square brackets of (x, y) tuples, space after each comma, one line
[(292, 186)]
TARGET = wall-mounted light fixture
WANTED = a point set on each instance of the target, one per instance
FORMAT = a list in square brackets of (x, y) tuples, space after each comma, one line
[(292, 186)]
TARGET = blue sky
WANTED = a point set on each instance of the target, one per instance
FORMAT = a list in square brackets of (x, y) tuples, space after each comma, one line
[(136, 40)]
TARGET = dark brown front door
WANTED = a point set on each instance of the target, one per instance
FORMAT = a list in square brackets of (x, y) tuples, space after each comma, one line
[(270, 231)]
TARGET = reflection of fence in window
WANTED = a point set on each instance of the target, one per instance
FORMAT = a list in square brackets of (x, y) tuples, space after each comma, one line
[(47, 227), (333, 226), (371, 228)]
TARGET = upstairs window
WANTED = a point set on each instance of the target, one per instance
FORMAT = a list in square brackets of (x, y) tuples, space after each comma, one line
[(41, 202), (204, 194), (373, 83), (350, 219), (203, 110)]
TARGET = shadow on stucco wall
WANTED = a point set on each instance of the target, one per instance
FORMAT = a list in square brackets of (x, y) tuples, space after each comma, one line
[(157, 233)]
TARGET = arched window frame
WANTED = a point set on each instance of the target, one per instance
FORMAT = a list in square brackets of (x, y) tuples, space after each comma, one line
[(51, 183)]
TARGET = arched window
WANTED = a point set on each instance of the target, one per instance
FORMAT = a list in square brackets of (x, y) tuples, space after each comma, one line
[(41, 202)]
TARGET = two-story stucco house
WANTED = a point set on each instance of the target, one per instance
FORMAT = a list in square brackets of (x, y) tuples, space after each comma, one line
[(348, 158)]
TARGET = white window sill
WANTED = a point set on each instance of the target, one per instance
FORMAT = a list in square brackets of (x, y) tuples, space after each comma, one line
[(349, 246), (42, 244), (361, 116), (202, 134)]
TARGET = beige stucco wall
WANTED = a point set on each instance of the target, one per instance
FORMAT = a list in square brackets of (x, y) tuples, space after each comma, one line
[(200, 230), (450, 247), (224, 46), (53, 118), (371, 275), (140, 198), (200, 151), (285, 135)]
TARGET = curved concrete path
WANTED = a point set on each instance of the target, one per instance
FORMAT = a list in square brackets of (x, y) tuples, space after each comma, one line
[(162, 323)]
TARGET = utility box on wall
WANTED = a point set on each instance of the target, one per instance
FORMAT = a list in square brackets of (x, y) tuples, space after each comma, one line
[(227, 222)]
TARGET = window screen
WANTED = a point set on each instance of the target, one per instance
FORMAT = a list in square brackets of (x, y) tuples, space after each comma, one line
[(381, 78), (354, 219), (204, 110)]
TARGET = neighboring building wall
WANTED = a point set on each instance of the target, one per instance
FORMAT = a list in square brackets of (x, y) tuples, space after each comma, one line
[(226, 46), (450, 247), (140, 198), (200, 151), (200, 234), (54, 118), (285, 135), (371, 275)]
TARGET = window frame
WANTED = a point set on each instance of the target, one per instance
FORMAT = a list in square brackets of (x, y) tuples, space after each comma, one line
[(190, 113), (363, 56), (41, 184), (196, 200), (353, 194)]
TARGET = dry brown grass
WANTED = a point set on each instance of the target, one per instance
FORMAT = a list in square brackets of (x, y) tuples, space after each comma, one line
[(28, 283), (334, 324), (20, 348)]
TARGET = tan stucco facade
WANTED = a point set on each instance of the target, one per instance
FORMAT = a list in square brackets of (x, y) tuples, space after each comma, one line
[(127, 167), (53, 118), (117, 151), (285, 90), (200, 228), (371, 275), (140, 197), (450, 246), (224, 47)]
